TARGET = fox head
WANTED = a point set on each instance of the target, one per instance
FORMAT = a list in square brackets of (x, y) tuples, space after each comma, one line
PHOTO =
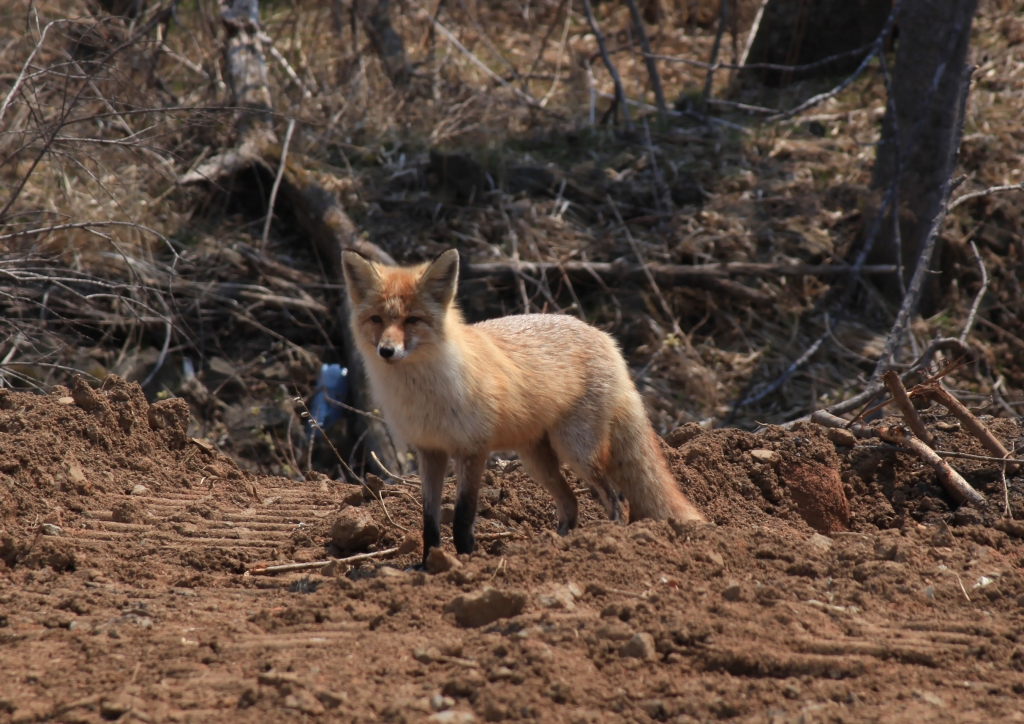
[(399, 311)]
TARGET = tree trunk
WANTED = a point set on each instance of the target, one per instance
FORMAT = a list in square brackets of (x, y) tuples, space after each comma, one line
[(798, 32), (247, 72), (921, 129), (319, 214)]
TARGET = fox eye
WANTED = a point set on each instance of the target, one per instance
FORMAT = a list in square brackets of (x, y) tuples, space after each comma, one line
[(412, 320), (376, 319)]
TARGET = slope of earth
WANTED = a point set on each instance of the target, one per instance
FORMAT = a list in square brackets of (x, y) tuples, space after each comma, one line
[(835, 584)]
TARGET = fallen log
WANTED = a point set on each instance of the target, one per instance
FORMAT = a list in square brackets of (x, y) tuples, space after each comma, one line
[(712, 276), (670, 273)]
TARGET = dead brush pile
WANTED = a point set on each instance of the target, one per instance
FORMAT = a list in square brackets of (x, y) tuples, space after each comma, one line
[(111, 264)]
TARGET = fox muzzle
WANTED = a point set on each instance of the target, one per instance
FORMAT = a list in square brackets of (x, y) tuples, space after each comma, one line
[(391, 352)]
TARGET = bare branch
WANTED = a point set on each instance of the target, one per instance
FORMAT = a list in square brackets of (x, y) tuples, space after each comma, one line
[(652, 67), (899, 395), (878, 45), (987, 192), (976, 427), (277, 182), (620, 94), (723, 15), (977, 298)]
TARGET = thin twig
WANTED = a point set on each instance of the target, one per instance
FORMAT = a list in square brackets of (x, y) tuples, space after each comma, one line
[(723, 15), (558, 62), (899, 155), (1008, 336), (356, 410), (919, 390), (1007, 513), (620, 94), (978, 194), (277, 183), (763, 66), (379, 498), (523, 95), (962, 589), (285, 65), (652, 67), (980, 458), (977, 299), (647, 272), (547, 36), (513, 240), (755, 27), (668, 274), (289, 567), (877, 48), (908, 309), (408, 481), (25, 66), (788, 372)]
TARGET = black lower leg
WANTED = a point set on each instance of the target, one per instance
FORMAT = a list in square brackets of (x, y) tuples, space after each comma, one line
[(462, 525), (431, 534)]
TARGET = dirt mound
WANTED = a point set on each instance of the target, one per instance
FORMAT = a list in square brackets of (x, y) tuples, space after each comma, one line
[(133, 555), (64, 452), (740, 478)]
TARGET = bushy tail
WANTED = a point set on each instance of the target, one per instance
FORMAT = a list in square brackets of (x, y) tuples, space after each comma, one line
[(638, 468)]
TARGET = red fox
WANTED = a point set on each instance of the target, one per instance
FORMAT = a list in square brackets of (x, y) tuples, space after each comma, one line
[(550, 387)]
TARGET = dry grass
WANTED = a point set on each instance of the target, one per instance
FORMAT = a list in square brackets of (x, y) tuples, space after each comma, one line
[(111, 112)]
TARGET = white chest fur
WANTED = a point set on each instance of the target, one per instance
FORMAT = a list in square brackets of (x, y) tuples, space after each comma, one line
[(429, 403)]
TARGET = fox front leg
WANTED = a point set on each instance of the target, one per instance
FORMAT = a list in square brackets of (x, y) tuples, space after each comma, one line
[(468, 472), (433, 464)]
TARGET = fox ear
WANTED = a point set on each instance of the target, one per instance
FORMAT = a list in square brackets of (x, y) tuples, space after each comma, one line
[(441, 278), (360, 276)]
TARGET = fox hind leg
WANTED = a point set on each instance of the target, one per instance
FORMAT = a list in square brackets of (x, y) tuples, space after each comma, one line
[(606, 493), (541, 464), (578, 443), (468, 471), (433, 464)]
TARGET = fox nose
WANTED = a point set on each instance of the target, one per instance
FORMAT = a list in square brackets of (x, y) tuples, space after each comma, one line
[(386, 352)]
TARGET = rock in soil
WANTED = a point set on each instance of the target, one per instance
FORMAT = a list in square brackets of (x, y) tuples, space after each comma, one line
[(354, 531), (641, 646), (473, 610), (818, 493)]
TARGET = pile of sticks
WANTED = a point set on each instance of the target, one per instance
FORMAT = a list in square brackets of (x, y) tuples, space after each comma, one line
[(914, 436)]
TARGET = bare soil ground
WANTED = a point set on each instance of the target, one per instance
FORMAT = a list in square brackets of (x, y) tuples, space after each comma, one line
[(124, 594)]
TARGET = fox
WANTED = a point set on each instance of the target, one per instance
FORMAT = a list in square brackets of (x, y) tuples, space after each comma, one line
[(550, 387)]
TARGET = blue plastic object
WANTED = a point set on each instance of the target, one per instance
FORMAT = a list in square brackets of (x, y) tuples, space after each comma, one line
[(331, 387)]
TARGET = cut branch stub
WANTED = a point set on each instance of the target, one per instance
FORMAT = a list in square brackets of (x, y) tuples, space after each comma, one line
[(385, 39), (976, 427), (899, 395)]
